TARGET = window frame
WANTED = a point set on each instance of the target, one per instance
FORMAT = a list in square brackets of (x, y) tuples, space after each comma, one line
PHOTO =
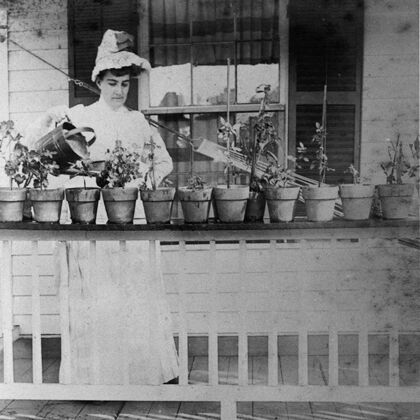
[(280, 106)]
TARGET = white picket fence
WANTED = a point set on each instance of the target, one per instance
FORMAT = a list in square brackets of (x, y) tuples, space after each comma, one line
[(302, 279)]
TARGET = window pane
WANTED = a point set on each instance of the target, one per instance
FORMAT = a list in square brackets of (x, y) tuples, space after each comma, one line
[(210, 74), (212, 20), (169, 21), (170, 83)]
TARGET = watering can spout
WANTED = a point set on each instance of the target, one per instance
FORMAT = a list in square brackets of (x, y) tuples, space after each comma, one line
[(67, 143)]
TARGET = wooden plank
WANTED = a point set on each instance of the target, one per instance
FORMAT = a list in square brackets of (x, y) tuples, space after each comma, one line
[(36, 317), (199, 410), (37, 101), (104, 410), (166, 410), (273, 358), (213, 341), (37, 80), (135, 410), (19, 60), (266, 393), (61, 409), (4, 66), (7, 309), (183, 337), (24, 408), (51, 39), (242, 333), (64, 315)]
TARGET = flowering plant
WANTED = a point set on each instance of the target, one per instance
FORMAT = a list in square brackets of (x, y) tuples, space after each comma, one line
[(22, 165), (121, 166), (39, 166), (398, 164)]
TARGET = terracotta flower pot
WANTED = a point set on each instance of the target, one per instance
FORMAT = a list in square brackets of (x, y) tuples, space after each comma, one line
[(158, 204), (83, 204), (255, 207), (320, 202), (281, 203), (357, 200), (46, 204), (395, 200), (231, 202), (195, 204), (120, 204), (11, 204)]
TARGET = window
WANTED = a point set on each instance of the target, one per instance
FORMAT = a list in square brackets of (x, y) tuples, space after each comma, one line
[(326, 46), (189, 43)]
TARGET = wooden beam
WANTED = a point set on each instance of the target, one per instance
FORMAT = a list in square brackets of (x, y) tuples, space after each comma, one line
[(289, 393)]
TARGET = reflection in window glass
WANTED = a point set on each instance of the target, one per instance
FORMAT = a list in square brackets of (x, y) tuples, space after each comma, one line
[(170, 85)]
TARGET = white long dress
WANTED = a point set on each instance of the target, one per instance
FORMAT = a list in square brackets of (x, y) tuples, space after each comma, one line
[(119, 321)]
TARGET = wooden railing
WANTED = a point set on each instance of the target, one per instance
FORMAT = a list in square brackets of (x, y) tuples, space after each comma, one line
[(299, 279)]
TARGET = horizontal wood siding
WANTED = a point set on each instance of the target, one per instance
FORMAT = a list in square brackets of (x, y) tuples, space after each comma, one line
[(390, 80), (370, 283), (33, 85)]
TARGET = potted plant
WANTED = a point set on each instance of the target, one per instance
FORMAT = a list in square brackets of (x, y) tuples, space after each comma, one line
[(230, 200), (83, 202), (356, 198), (46, 203), (263, 136), (320, 199), (395, 196), (121, 166), (195, 200), (12, 198), (280, 196), (157, 200)]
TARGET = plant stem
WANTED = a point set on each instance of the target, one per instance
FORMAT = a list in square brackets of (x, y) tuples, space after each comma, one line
[(228, 121)]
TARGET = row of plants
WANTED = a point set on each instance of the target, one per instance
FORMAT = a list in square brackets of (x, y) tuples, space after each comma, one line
[(270, 183)]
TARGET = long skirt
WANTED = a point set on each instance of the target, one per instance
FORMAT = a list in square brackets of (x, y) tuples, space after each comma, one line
[(119, 322)]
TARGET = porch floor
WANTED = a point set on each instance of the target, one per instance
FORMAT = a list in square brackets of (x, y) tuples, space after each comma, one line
[(198, 362)]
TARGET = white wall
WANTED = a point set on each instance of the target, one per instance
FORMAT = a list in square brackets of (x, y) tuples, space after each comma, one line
[(390, 102), (41, 27)]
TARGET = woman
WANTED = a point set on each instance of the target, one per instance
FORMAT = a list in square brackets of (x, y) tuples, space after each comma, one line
[(120, 330)]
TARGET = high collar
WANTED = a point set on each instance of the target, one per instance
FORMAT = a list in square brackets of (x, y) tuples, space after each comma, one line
[(104, 106)]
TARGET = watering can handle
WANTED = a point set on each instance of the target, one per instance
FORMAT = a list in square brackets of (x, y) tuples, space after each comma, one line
[(81, 130)]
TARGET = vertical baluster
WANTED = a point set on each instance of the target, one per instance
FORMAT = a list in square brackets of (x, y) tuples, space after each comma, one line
[(65, 369), (124, 341), (93, 280), (333, 336), (36, 317), (273, 360), (242, 340), (363, 328), (333, 357), (228, 410), (183, 337), (7, 309), (363, 357), (394, 371), (303, 333), (213, 350)]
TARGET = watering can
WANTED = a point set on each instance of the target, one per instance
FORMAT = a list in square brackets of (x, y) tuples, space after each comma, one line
[(67, 143)]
